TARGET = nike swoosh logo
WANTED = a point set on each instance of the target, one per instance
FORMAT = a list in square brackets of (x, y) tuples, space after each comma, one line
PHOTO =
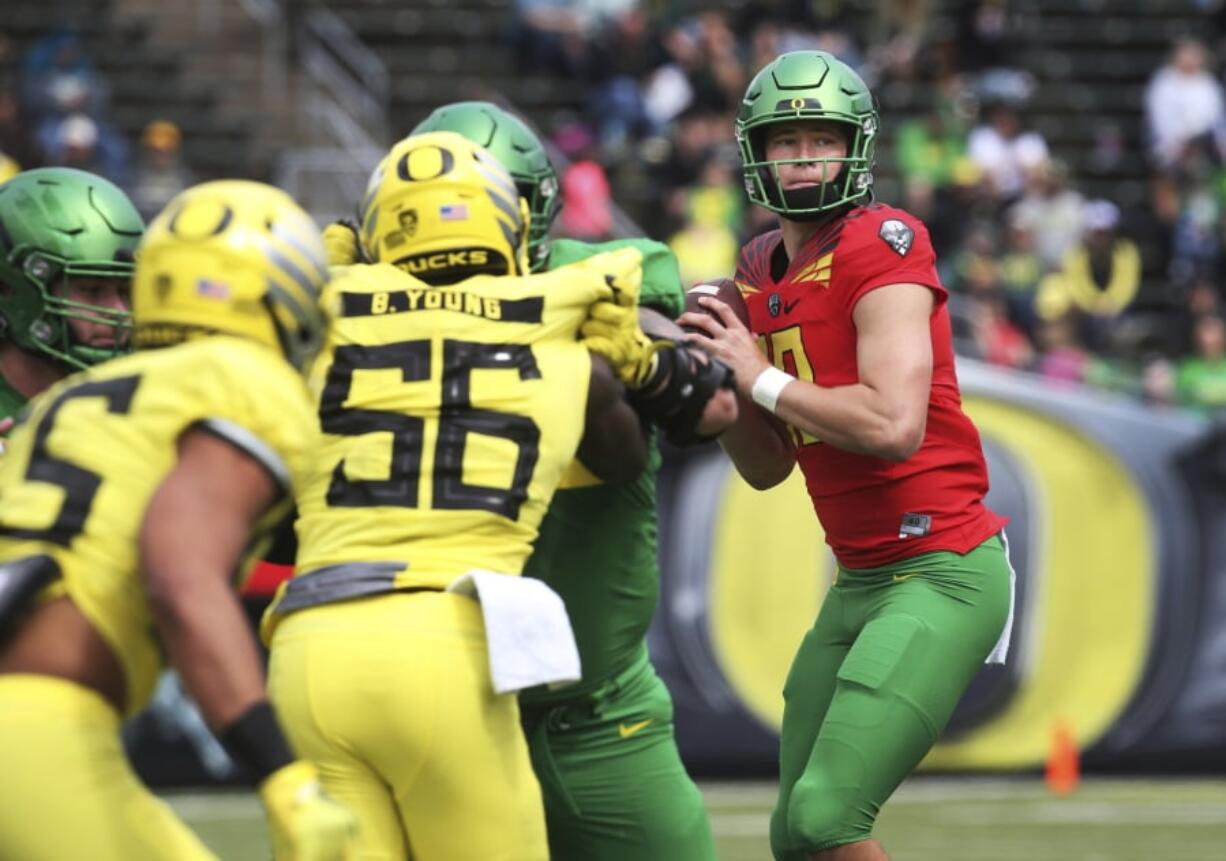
[(899, 577), (627, 730), (788, 306)]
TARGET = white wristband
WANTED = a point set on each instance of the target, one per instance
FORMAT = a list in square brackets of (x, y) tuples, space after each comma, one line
[(768, 386)]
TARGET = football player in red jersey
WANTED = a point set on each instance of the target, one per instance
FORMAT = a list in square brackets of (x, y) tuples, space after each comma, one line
[(850, 365)]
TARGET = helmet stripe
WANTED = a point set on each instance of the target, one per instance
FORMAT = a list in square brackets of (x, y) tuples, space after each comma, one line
[(498, 180), (306, 316), (320, 266), (283, 337), (510, 211), (310, 286), (509, 235)]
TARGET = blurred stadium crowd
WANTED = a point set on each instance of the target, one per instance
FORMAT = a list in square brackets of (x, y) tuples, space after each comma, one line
[(1056, 267), (55, 109), (1113, 290)]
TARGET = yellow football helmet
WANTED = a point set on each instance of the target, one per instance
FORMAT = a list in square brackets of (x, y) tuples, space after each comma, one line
[(231, 257), (442, 208)]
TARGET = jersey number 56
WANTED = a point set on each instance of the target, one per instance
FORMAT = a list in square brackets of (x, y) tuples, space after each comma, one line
[(457, 419)]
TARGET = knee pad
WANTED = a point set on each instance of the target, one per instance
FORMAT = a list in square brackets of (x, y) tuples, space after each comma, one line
[(821, 815), (782, 847)]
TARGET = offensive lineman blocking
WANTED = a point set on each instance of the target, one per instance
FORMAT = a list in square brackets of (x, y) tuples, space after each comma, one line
[(604, 750)]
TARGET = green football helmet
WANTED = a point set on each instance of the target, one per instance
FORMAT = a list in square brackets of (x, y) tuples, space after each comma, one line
[(57, 224), (807, 86), (508, 139)]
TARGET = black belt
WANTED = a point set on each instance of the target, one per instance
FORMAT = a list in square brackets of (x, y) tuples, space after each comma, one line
[(20, 582), (340, 583)]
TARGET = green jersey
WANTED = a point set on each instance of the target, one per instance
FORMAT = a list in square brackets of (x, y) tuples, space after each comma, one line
[(661, 278), (11, 401), (597, 545)]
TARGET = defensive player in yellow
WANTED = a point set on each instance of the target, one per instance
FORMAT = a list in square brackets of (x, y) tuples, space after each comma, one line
[(129, 501), (453, 394)]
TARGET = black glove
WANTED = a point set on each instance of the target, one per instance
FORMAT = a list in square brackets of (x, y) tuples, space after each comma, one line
[(682, 383)]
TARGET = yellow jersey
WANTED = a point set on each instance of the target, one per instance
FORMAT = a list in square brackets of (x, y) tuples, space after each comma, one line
[(449, 415), (80, 471)]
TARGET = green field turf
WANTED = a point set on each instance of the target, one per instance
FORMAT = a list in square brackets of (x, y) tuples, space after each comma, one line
[(929, 819)]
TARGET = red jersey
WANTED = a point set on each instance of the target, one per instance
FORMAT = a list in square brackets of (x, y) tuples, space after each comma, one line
[(874, 511)]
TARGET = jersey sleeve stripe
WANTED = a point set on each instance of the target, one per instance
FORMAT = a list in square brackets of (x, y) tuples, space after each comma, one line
[(248, 442)]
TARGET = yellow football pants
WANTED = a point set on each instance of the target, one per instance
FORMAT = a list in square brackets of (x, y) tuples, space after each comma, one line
[(391, 697), (66, 789)]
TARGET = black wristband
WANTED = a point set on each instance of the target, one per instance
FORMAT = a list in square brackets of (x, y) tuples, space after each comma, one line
[(255, 740)]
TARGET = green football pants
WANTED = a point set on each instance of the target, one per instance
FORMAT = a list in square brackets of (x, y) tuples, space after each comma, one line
[(613, 783), (873, 684)]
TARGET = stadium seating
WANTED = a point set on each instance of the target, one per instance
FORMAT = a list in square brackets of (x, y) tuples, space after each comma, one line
[(146, 80), (1090, 62)]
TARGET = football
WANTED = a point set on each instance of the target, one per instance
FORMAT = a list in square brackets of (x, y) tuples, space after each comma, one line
[(723, 289)]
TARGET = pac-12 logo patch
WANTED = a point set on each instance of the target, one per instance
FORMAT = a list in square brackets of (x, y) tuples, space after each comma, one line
[(897, 235), (773, 303)]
